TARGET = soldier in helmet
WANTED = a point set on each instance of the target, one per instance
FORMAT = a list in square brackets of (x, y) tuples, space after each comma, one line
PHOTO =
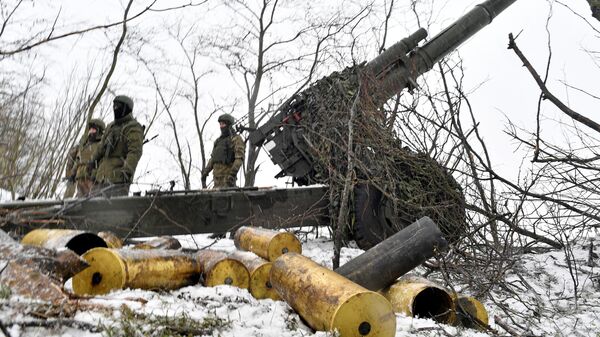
[(119, 151), (227, 155), (595, 7), (86, 150)]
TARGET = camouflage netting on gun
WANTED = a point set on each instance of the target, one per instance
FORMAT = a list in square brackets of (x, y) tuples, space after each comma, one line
[(413, 184)]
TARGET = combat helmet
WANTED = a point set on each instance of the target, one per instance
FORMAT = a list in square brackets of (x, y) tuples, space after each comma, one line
[(98, 124), (227, 119), (125, 100)]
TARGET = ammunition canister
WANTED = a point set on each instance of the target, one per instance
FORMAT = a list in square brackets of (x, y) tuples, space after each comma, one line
[(419, 297), (77, 241), (266, 243), (470, 313), (328, 301), (218, 268), (260, 270), (111, 239), (161, 242), (138, 269), (380, 266)]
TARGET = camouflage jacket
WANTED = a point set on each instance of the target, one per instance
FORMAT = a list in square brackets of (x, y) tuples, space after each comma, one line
[(71, 167), (119, 151), (84, 157), (227, 156)]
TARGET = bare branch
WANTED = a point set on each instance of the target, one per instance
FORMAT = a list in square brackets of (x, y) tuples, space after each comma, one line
[(547, 94)]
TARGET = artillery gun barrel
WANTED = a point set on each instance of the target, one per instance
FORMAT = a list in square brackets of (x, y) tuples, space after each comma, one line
[(395, 52), (400, 65), (422, 59)]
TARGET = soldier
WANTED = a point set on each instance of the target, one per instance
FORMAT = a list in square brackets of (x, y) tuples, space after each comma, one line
[(86, 150), (595, 7), (71, 172), (227, 155), (119, 151)]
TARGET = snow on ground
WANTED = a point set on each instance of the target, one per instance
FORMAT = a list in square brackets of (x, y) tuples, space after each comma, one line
[(5, 195), (547, 298)]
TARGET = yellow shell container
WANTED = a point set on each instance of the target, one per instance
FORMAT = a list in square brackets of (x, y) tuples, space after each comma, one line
[(328, 301), (77, 241), (111, 239), (161, 242), (266, 243), (416, 296), (470, 313), (218, 268), (138, 269), (260, 270)]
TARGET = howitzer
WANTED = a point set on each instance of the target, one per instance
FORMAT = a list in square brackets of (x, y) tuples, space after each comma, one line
[(388, 74), (286, 136)]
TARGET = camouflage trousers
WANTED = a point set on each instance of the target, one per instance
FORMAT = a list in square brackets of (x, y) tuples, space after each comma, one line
[(224, 181), (222, 176), (84, 188)]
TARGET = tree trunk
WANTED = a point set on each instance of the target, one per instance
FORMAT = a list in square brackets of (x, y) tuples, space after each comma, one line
[(36, 272)]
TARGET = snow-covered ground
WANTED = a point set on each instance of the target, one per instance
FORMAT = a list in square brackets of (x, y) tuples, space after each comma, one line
[(547, 301), (4, 195)]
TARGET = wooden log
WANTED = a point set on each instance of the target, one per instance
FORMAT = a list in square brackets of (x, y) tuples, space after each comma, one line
[(36, 272), (380, 266)]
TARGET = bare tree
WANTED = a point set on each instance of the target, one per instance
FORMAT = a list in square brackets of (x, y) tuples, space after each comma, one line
[(266, 42)]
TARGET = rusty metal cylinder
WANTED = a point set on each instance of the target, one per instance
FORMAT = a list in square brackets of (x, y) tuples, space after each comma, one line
[(266, 243), (328, 301), (218, 268), (419, 297), (137, 269), (470, 313), (111, 239), (161, 242), (260, 270), (77, 241)]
